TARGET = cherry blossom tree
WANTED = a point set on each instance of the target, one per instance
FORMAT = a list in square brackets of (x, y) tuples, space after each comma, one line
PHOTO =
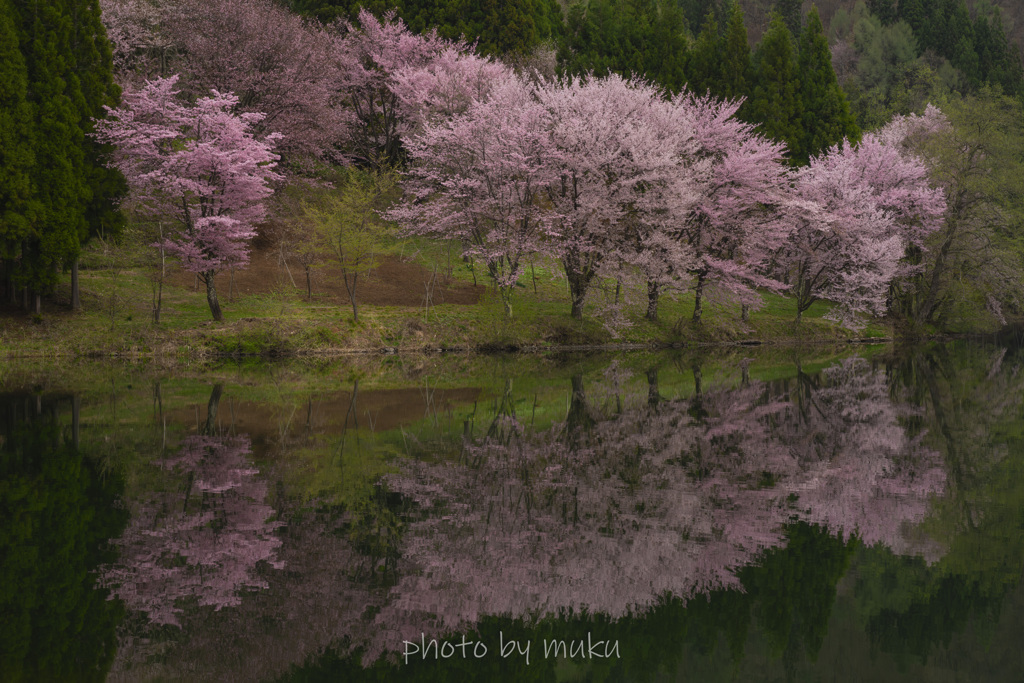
[(733, 229), (855, 211), (201, 164), (135, 31), (446, 86), (615, 159), (477, 178), (373, 54), (278, 64)]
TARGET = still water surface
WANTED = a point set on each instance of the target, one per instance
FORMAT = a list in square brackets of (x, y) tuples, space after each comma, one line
[(737, 515)]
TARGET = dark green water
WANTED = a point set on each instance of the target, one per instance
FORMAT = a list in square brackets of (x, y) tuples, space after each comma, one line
[(743, 515)]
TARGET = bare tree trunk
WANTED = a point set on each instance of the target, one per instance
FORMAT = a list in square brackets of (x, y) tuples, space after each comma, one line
[(37, 303), (211, 297), (159, 303), (698, 297), (12, 294), (211, 409), (284, 262), (653, 395), (76, 297), (653, 292), (927, 309), (351, 290), (76, 410)]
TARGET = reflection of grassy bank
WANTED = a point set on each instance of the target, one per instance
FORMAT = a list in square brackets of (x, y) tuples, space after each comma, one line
[(322, 444), (117, 320)]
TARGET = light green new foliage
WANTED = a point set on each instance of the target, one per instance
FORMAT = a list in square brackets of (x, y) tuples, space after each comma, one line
[(974, 266), (347, 226)]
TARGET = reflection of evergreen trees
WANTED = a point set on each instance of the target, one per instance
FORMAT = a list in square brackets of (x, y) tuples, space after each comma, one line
[(974, 416), (58, 510)]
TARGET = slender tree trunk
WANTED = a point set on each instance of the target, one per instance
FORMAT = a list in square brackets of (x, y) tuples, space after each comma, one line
[(927, 309), (76, 410), (37, 303), (76, 297), (211, 296), (578, 282), (698, 297), (578, 417), (697, 410), (12, 295), (211, 409), (159, 303), (653, 395), (351, 290), (309, 285), (745, 313), (24, 298), (653, 293), (9, 290), (506, 301)]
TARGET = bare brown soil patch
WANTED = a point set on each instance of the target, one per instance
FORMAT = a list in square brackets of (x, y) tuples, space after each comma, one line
[(395, 282)]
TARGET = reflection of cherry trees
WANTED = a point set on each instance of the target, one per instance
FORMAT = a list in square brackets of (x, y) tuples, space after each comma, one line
[(667, 497), (863, 473), (633, 496), (203, 542)]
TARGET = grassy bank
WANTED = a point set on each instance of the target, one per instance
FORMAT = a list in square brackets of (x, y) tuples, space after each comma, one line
[(117, 319)]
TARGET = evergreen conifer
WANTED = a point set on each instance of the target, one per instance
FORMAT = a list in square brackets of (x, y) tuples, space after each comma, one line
[(825, 113)]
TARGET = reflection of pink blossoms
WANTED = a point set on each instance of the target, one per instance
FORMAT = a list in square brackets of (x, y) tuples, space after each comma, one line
[(203, 544), (873, 480), (667, 498)]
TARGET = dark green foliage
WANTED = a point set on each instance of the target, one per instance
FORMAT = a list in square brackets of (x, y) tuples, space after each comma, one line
[(56, 98), (775, 102), (979, 49), (885, 10), (890, 78), (915, 13), (16, 158), (796, 589), (790, 12), (498, 27), (696, 12), (65, 65), (94, 71), (736, 66), (826, 118), (645, 38), (59, 512), (704, 69)]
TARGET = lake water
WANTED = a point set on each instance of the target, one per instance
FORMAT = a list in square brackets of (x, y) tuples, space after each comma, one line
[(746, 514)]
